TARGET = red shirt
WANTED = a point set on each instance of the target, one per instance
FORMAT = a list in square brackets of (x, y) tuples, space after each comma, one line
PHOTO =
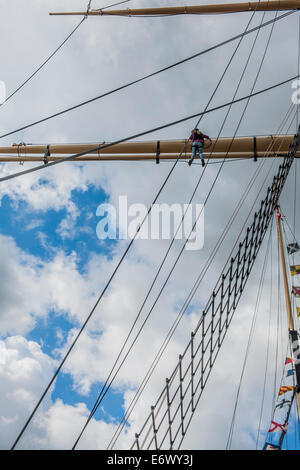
[(198, 137)]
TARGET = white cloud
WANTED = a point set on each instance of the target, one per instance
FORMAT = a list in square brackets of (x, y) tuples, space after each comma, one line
[(24, 370), (24, 374), (30, 288), (51, 190)]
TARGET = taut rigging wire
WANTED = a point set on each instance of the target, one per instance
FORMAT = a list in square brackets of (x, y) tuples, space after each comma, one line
[(229, 441), (104, 391), (185, 306), (142, 134), (44, 63), (55, 52), (250, 338), (122, 87), (268, 344), (164, 126), (104, 290), (192, 293)]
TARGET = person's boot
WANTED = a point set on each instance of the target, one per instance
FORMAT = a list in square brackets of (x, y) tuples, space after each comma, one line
[(202, 162)]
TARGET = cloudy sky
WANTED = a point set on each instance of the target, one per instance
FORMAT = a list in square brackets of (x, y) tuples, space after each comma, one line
[(54, 267)]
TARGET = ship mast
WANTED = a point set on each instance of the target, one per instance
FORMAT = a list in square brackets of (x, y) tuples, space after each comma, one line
[(272, 5), (293, 334), (271, 146)]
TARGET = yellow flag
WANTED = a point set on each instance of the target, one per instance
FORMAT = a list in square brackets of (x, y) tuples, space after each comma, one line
[(295, 269), (286, 388), (298, 311)]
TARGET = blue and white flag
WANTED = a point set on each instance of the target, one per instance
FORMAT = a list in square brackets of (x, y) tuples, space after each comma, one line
[(292, 248), (283, 403), (290, 372)]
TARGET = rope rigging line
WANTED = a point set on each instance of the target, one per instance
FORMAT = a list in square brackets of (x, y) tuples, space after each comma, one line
[(164, 126), (268, 343), (278, 324), (293, 354), (55, 52), (259, 192), (269, 436), (284, 120), (276, 362), (294, 335), (296, 421), (283, 319), (240, 81), (211, 329), (183, 309), (295, 316), (293, 233), (88, 7), (294, 303), (91, 313), (77, 337), (250, 339), (110, 6), (126, 416), (298, 64), (104, 390), (244, 223), (185, 306), (176, 322), (44, 63), (68, 157), (230, 436), (105, 288), (122, 87)]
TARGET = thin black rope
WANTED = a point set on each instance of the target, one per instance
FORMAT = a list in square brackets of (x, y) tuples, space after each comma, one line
[(110, 6), (265, 179), (294, 303), (269, 436), (268, 346), (118, 369), (250, 338), (205, 382), (102, 293), (185, 306), (43, 64), (107, 285), (55, 51), (122, 87), (100, 297), (197, 399), (104, 391), (298, 67), (295, 317), (182, 311), (277, 329), (164, 126), (105, 388), (293, 233), (91, 312)]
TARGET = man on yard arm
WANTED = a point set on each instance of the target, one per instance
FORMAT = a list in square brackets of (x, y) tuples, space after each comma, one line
[(197, 139)]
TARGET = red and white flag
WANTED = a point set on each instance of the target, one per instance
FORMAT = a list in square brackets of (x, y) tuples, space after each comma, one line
[(296, 291), (278, 427)]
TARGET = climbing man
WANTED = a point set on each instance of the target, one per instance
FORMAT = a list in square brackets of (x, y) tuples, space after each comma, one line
[(197, 139)]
